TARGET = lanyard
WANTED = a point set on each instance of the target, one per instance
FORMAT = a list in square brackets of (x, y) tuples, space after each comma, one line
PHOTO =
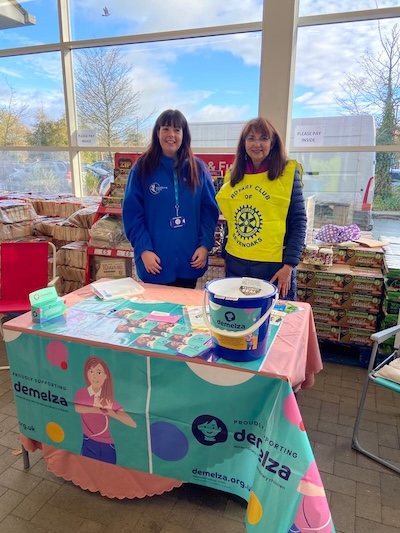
[(176, 193)]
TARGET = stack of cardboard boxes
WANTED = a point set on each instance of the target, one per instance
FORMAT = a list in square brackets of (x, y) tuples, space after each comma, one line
[(391, 297), (109, 254), (346, 298)]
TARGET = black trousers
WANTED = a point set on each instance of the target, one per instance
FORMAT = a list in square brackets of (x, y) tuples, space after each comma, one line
[(185, 283)]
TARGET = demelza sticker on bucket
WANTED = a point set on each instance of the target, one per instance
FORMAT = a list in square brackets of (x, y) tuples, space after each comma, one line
[(239, 311)]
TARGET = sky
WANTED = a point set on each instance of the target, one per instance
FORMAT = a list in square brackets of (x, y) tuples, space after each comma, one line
[(209, 79)]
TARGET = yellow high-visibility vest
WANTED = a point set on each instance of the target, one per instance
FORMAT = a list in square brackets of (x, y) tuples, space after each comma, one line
[(256, 210)]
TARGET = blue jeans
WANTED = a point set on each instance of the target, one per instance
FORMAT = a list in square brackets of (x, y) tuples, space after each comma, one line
[(237, 268), (102, 451)]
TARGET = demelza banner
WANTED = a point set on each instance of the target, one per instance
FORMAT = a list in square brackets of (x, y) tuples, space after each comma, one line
[(232, 430)]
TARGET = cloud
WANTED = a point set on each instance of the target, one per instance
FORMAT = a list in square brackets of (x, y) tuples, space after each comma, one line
[(325, 54), (219, 113), (306, 97), (318, 7), (158, 15), (10, 72)]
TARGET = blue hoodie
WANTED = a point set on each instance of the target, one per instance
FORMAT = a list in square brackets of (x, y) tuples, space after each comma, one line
[(148, 209)]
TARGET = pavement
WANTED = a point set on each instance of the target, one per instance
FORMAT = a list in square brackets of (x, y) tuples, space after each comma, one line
[(386, 214)]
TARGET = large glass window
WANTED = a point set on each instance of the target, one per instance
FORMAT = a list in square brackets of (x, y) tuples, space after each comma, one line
[(35, 171), (347, 93), (28, 23), (90, 20), (32, 108), (121, 90), (322, 7), (340, 68)]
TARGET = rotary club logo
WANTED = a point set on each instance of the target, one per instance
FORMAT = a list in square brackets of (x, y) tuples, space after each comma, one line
[(248, 222)]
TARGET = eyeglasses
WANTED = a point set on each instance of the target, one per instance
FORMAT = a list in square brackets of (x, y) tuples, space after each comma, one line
[(251, 139)]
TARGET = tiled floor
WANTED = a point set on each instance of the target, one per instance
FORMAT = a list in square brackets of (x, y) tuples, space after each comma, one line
[(364, 497)]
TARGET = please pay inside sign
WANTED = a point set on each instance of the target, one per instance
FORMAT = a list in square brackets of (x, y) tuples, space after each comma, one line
[(309, 135)]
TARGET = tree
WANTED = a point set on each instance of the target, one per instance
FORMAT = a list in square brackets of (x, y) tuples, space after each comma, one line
[(376, 91), (47, 132), (12, 129), (105, 98)]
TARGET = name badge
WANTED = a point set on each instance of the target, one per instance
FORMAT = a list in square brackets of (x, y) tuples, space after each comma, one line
[(177, 222)]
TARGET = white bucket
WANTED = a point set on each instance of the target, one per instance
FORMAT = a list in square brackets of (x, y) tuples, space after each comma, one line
[(239, 316)]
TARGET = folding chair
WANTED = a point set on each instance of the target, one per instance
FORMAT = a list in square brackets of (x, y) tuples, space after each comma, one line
[(24, 269), (372, 376)]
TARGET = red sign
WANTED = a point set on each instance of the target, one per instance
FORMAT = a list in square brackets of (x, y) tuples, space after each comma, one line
[(218, 162), (214, 162)]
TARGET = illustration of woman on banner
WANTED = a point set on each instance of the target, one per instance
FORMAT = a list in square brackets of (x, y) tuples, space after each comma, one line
[(96, 405)]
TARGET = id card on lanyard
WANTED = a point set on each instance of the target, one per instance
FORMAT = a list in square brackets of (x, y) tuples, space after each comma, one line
[(176, 221)]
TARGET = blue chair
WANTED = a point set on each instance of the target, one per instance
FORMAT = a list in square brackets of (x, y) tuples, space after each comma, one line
[(373, 372)]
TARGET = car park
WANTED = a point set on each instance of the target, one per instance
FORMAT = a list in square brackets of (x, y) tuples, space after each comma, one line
[(47, 175)]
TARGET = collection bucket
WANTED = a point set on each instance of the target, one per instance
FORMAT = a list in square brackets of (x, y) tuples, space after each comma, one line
[(239, 310)]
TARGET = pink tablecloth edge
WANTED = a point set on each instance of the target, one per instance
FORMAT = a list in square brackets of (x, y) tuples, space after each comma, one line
[(84, 472)]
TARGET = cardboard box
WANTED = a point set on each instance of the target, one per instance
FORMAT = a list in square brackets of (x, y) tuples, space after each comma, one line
[(327, 333), (391, 302), (356, 256), (360, 256), (112, 201), (109, 267), (121, 173), (392, 284), (392, 266), (125, 161), (345, 317), (389, 319), (355, 336), (341, 278), (46, 304), (338, 300)]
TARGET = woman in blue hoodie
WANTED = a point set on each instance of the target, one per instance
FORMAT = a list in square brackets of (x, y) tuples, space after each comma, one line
[(169, 210)]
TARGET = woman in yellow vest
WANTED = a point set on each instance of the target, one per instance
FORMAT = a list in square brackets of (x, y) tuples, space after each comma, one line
[(262, 201)]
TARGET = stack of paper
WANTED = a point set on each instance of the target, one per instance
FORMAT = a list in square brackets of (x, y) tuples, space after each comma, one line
[(116, 288)]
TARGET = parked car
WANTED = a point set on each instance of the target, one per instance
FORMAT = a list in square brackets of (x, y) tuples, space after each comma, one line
[(105, 165), (94, 177), (7, 168), (48, 175), (395, 174), (105, 185)]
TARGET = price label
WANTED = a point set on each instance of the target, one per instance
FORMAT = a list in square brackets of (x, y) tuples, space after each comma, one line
[(124, 253), (102, 251)]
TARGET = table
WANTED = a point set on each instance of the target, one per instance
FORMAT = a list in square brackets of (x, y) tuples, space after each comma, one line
[(228, 428)]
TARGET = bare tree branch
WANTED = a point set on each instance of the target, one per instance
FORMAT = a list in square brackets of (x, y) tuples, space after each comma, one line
[(105, 97)]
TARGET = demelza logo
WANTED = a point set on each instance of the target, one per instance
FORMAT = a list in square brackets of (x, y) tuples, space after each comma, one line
[(210, 430), (265, 456), (46, 396), (230, 317), (156, 188)]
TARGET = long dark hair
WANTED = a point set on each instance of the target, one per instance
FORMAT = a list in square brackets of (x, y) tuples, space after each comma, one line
[(277, 156), (151, 158)]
